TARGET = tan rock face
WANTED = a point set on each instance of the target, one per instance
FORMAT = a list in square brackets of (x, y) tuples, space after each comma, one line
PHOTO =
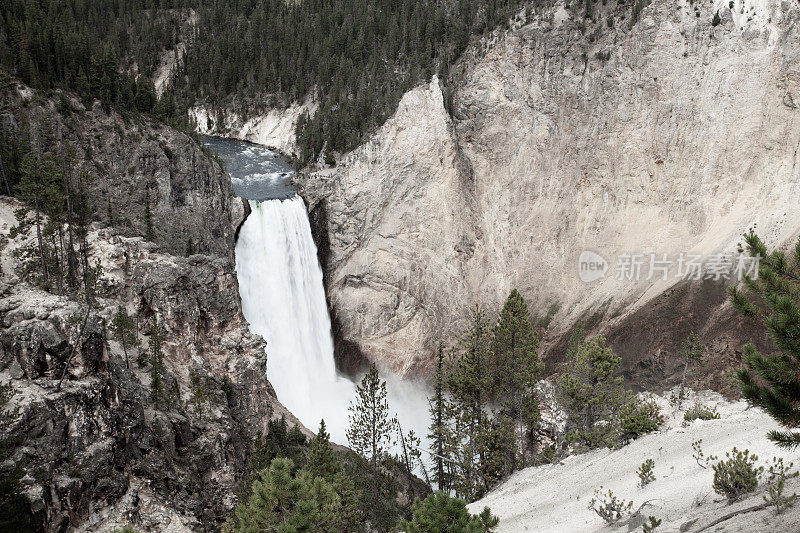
[(679, 141)]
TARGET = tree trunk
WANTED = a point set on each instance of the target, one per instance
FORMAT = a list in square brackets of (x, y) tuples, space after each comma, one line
[(683, 380), (409, 475), (71, 260), (57, 273), (3, 173), (125, 351), (39, 234)]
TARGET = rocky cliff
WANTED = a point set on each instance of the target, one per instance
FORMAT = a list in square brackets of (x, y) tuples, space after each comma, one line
[(664, 132), (274, 128), (133, 161), (100, 443)]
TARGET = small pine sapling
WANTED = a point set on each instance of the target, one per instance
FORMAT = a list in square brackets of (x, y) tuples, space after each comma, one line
[(778, 474), (645, 472), (609, 507), (700, 458), (737, 474), (651, 524)]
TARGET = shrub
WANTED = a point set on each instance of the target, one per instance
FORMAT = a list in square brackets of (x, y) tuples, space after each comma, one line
[(700, 457), (778, 474), (651, 525), (608, 506), (637, 419), (737, 475), (702, 412), (439, 513), (645, 472)]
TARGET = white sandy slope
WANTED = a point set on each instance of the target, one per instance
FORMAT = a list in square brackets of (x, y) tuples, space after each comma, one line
[(556, 497)]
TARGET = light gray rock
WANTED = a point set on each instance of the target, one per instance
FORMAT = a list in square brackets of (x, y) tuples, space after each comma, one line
[(678, 142)]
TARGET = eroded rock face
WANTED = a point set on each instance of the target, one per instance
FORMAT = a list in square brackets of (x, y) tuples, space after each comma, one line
[(132, 162), (669, 136), (97, 450), (400, 232), (274, 128)]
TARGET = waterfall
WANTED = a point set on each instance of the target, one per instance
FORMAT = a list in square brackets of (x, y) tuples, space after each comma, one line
[(283, 299)]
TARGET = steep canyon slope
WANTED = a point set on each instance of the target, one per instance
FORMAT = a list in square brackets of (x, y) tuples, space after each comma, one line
[(99, 444), (669, 135)]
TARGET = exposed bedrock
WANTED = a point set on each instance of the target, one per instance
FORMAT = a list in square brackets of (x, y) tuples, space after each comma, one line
[(671, 136)]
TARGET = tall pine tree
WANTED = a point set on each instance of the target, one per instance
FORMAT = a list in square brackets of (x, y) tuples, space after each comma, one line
[(772, 381), (440, 429), (517, 369), (591, 393), (370, 435)]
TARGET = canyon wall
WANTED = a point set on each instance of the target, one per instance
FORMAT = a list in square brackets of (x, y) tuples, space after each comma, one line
[(670, 135), (274, 128), (101, 446)]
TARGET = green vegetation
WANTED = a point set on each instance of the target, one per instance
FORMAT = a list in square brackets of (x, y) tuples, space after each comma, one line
[(609, 507), (779, 472), (439, 513), (15, 511), (601, 412), (90, 47), (638, 418), (772, 381), (516, 369), (736, 475), (123, 327), (156, 356), (645, 472), (369, 434), (285, 499), (701, 412), (692, 353), (651, 524), (57, 208), (356, 56)]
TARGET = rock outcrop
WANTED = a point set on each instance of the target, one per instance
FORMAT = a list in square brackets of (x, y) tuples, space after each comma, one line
[(133, 163), (101, 443), (274, 128), (97, 449), (669, 135)]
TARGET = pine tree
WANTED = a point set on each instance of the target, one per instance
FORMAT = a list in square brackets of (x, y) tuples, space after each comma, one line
[(517, 369), (440, 431), (369, 435), (31, 188), (591, 393), (149, 229), (124, 329), (321, 459), (772, 381), (439, 513), (468, 381), (692, 352), (283, 501), (411, 456)]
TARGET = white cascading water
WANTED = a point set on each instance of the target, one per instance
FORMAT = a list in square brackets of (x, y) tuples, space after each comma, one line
[(283, 299)]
